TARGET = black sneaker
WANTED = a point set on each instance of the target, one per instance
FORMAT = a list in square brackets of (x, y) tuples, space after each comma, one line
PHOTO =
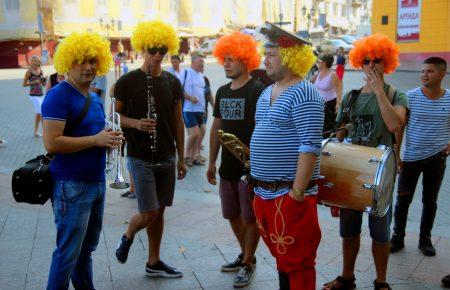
[(122, 249), (236, 264), (397, 244), (245, 276), (446, 281), (161, 269), (427, 248)]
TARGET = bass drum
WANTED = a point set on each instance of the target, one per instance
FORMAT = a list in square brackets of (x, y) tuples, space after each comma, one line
[(357, 177)]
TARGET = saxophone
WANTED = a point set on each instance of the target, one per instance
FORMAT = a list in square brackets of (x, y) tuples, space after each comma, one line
[(236, 147), (151, 110)]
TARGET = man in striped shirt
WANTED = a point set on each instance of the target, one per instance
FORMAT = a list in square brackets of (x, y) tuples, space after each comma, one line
[(426, 149), (284, 159)]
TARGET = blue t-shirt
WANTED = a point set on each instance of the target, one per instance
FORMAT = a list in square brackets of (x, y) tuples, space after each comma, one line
[(65, 103)]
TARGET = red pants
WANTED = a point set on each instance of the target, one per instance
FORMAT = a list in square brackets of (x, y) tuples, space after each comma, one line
[(291, 231), (340, 68)]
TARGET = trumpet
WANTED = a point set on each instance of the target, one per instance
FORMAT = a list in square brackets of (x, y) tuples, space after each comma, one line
[(236, 147), (114, 158)]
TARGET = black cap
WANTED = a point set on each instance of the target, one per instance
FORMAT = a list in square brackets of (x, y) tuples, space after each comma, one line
[(278, 37)]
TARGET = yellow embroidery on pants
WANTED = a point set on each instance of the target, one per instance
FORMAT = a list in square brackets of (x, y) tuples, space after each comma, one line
[(260, 227), (278, 238)]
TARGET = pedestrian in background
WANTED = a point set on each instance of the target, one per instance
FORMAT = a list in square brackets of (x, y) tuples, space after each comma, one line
[(54, 79), (340, 63), (34, 78), (330, 88)]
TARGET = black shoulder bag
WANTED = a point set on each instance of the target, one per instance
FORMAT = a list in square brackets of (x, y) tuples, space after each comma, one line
[(32, 183)]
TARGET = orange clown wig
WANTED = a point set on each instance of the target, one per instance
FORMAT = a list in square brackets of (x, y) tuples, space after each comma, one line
[(238, 46), (375, 46)]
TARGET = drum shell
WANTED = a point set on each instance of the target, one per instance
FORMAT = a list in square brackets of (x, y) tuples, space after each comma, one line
[(346, 169)]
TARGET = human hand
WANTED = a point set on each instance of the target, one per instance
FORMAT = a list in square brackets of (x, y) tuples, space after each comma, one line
[(181, 169), (108, 138), (296, 197), (194, 100), (145, 125), (374, 80), (211, 174)]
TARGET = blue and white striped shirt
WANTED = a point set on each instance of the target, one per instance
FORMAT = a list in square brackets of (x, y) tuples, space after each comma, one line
[(428, 128), (291, 125)]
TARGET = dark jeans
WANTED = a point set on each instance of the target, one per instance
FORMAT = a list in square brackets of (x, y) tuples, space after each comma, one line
[(433, 169)]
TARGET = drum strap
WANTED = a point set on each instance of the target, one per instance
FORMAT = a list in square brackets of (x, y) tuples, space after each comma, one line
[(345, 117)]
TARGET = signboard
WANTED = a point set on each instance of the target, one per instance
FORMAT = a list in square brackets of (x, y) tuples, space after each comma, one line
[(408, 20)]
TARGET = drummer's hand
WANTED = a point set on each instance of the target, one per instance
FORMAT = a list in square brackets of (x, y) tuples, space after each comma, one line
[(374, 80), (399, 165), (334, 211), (296, 197), (211, 174)]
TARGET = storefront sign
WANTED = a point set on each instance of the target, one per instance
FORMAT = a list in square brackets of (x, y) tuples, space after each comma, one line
[(408, 20)]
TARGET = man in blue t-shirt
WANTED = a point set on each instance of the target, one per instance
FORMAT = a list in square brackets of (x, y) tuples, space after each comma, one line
[(426, 149), (79, 164)]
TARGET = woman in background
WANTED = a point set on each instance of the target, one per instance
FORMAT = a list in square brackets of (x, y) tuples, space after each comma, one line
[(329, 87), (340, 63), (34, 78)]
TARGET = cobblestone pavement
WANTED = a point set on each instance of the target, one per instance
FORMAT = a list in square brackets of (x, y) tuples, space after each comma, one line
[(197, 240)]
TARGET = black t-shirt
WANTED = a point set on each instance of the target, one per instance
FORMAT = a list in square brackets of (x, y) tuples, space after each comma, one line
[(237, 109), (131, 89)]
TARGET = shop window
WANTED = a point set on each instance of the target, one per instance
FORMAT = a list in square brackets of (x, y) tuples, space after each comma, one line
[(384, 20)]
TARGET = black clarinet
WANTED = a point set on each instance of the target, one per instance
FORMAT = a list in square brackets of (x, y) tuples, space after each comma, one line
[(151, 110)]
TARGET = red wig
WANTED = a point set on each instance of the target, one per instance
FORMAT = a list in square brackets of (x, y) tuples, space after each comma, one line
[(375, 46), (239, 46)]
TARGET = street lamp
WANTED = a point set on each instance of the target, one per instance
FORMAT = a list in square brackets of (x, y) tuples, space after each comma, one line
[(108, 26)]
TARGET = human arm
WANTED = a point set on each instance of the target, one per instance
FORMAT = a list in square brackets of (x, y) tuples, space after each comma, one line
[(394, 116), (179, 140), (56, 142), (214, 146), (398, 146), (338, 87), (308, 118)]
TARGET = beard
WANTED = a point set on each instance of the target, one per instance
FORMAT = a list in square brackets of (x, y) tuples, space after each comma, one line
[(233, 76)]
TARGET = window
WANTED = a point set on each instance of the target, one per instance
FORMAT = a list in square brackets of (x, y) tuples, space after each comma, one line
[(12, 5), (101, 2), (335, 9), (344, 11)]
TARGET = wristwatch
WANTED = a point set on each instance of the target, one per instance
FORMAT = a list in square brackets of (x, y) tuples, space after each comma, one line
[(298, 192)]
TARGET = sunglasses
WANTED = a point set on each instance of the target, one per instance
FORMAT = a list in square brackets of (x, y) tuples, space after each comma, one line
[(367, 61), (153, 50)]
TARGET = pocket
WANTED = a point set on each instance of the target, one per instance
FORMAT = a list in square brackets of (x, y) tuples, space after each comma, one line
[(73, 190)]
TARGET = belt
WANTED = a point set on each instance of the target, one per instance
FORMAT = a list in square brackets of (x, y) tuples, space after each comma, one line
[(277, 185)]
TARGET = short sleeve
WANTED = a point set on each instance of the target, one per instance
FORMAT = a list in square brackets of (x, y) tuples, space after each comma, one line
[(120, 92), (55, 105), (401, 99), (216, 111), (342, 106)]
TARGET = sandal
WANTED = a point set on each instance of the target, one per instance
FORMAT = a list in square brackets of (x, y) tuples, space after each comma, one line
[(199, 162), (344, 284), (188, 161), (381, 285)]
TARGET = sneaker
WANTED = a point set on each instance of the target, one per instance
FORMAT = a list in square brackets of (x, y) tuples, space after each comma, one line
[(245, 276), (125, 194), (3, 142), (427, 248), (132, 195), (236, 264), (446, 281), (123, 249), (161, 269), (397, 244)]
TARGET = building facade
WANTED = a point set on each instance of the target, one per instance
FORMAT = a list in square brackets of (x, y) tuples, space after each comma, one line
[(421, 28)]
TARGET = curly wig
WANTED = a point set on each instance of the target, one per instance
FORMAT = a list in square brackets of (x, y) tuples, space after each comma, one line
[(79, 47), (239, 46), (155, 34), (298, 58), (375, 46)]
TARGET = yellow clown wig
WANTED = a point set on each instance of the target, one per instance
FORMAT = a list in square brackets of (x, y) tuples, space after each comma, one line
[(155, 34), (375, 46), (80, 47), (298, 58), (238, 46)]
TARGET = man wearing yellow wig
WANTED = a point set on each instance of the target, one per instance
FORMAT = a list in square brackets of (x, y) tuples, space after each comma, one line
[(284, 151), (149, 101), (74, 131)]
